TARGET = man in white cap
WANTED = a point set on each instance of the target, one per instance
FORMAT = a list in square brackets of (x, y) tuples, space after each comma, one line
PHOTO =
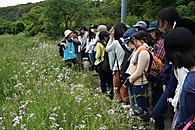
[(69, 55)]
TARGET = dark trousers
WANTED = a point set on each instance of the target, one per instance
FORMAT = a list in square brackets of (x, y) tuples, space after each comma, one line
[(160, 109), (156, 91), (72, 61), (106, 79)]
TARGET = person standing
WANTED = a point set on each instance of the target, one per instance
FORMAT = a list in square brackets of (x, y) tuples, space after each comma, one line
[(116, 35), (84, 31), (137, 83), (69, 55)]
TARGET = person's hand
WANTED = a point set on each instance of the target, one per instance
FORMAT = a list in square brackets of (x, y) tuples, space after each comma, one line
[(76, 40), (124, 77), (65, 46), (111, 34), (164, 86)]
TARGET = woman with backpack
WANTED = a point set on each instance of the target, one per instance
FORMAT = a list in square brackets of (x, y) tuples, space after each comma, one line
[(105, 77), (137, 82), (115, 43)]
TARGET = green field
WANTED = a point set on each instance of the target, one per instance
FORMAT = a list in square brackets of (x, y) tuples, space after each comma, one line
[(38, 92)]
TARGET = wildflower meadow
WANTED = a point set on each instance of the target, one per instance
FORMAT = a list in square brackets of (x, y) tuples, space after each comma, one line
[(38, 92)]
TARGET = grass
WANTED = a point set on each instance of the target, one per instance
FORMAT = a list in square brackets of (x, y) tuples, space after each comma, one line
[(38, 92)]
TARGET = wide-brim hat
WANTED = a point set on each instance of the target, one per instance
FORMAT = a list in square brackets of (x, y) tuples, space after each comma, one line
[(67, 32)]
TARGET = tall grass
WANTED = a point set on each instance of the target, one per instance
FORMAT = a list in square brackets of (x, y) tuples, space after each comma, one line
[(38, 92)]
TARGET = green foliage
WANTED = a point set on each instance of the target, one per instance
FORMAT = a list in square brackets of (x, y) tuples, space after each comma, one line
[(186, 10), (17, 27)]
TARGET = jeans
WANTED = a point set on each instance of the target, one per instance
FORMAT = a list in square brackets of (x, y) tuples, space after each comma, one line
[(91, 58), (138, 100), (106, 79), (156, 91)]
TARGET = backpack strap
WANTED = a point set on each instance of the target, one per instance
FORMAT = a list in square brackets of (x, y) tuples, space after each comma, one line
[(123, 46), (151, 59), (103, 44)]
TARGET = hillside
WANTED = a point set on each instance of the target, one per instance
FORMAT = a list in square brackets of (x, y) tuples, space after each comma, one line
[(13, 13)]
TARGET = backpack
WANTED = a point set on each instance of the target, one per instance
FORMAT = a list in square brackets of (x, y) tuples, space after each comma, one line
[(61, 48), (127, 57), (105, 64), (155, 67)]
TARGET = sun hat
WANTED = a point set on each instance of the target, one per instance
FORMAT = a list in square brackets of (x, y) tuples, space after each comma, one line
[(141, 24), (67, 32), (128, 35), (153, 25), (101, 28)]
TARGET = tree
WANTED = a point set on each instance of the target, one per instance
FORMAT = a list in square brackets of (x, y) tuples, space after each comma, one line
[(59, 14)]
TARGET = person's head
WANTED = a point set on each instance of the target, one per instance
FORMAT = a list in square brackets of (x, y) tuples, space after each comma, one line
[(91, 34), (100, 29), (133, 38), (154, 31), (83, 29), (75, 34), (108, 27), (140, 25), (103, 36), (119, 30), (167, 19), (68, 34), (94, 28), (180, 48)]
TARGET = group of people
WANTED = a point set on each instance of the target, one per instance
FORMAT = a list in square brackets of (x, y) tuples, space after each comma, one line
[(169, 40)]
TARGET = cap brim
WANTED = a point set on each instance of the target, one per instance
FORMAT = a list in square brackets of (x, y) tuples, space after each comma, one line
[(125, 42), (149, 29)]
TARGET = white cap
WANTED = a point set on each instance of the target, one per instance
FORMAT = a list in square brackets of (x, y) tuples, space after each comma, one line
[(141, 24), (67, 32)]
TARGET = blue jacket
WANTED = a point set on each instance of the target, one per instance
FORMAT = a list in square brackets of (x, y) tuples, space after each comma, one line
[(187, 98), (67, 52)]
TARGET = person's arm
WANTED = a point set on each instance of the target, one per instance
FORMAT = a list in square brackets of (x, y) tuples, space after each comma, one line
[(143, 60), (93, 43), (88, 47), (98, 53), (111, 45), (63, 43)]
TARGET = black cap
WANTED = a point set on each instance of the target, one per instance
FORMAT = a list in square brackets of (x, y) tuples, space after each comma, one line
[(179, 39), (94, 26)]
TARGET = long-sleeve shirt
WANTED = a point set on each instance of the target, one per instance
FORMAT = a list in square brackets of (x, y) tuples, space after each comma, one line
[(115, 45), (100, 51), (187, 102), (159, 50), (84, 41), (88, 46), (136, 71)]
